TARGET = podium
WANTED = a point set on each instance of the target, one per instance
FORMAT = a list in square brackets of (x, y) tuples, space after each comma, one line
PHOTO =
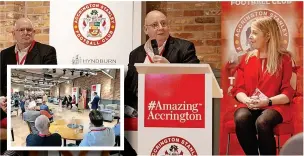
[(174, 109)]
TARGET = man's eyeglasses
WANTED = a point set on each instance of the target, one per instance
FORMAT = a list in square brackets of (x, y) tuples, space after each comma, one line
[(156, 24), (29, 30)]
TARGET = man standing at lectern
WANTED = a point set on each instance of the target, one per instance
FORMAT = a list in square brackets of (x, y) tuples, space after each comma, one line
[(171, 50), (26, 50)]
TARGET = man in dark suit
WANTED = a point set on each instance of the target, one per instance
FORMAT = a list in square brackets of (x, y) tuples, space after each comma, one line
[(26, 50), (172, 50), (95, 101)]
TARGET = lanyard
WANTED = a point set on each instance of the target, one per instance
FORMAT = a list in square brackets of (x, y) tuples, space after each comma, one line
[(43, 135), (24, 57), (149, 57), (102, 129)]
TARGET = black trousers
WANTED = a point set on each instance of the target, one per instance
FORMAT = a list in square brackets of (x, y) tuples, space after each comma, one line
[(250, 123)]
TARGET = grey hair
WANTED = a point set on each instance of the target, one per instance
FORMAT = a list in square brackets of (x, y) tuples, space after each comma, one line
[(2, 98), (42, 123), (15, 25)]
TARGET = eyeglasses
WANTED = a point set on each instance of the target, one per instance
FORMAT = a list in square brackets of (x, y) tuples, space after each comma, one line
[(29, 30), (156, 24)]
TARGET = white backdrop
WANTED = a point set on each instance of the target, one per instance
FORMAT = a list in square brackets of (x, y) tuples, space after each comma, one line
[(98, 86), (75, 91), (126, 37)]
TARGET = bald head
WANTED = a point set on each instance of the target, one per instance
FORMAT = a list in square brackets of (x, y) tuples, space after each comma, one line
[(23, 21), (156, 26), (154, 14), (23, 32)]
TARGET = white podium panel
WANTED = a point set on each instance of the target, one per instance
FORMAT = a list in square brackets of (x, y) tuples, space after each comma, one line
[(175, 109)]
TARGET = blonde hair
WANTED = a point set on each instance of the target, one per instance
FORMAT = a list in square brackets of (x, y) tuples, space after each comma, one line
[(275, 51)]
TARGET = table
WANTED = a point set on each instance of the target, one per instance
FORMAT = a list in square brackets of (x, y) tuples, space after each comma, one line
[(60, 127)]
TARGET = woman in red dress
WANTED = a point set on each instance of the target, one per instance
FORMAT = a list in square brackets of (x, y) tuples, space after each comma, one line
[(263, 89)]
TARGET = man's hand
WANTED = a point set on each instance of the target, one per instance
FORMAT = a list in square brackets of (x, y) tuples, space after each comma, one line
[(160, 59)]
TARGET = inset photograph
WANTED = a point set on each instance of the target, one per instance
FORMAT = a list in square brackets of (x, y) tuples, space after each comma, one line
[(63, 106)]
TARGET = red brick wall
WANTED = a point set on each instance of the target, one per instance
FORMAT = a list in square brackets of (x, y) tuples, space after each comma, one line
[(38, 12), (199, 22), (54, 91), (65, 89), (110, 88), (116, 94)]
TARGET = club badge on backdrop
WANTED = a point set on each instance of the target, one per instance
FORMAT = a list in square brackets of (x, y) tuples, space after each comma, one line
[(173, 146), (236, 20), (243, 29), (94, 24)]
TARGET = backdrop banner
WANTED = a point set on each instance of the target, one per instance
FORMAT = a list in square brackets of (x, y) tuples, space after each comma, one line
[(237, 17)]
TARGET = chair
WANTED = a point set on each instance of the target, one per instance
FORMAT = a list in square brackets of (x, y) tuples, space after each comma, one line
[(293, 146), (107, 114), (13, 108), (31, 127), (286, 128)]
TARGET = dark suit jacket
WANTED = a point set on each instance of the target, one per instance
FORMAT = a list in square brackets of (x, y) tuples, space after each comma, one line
[(40, 54), (176, 51), (95, 102)]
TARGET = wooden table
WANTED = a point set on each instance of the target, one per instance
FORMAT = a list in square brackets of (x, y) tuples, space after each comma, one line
[(60, 127)]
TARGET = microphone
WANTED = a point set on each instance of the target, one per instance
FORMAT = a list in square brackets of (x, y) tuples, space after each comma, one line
[(154, 47)]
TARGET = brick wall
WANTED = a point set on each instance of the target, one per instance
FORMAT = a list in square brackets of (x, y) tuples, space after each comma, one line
[(38, 12), (116, 94), (54, 91), (65, 89), (110, 88), (199, 22)]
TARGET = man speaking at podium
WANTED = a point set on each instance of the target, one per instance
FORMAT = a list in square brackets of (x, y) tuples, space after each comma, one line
[(26, 50), (160, 48)]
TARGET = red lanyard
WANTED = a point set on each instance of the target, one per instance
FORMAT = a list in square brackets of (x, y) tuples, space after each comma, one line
[(43, 135), (102, 129), (149, 57), (24, 57)]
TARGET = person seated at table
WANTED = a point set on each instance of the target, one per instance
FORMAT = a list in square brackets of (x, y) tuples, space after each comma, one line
[(45, 107), (44, 137), (32, 104), (99, 135)]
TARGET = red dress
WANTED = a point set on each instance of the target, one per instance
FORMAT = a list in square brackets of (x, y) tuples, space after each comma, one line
[(250, 76)]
